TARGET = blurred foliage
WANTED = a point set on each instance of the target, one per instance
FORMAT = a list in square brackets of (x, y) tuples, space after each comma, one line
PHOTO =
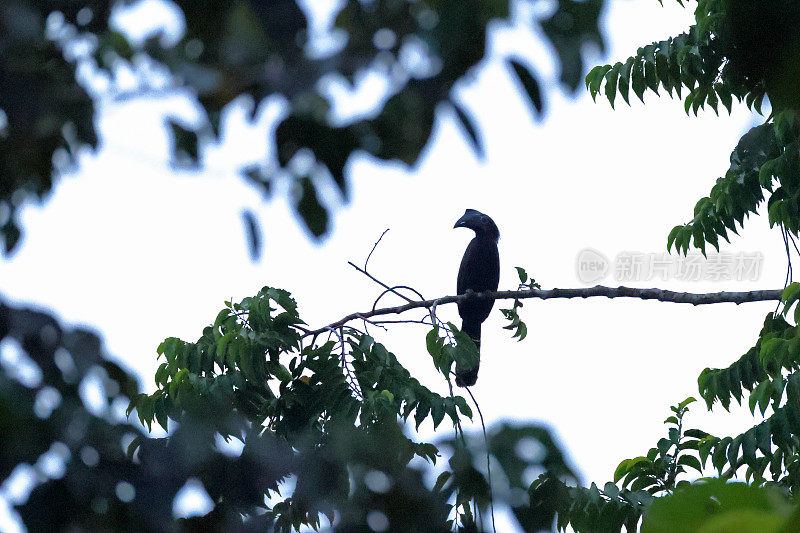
[(232, 48), (45, 113), (44, 422), (716, 507)]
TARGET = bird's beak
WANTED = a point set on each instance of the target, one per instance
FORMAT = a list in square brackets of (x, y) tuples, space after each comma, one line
[(461, 222)]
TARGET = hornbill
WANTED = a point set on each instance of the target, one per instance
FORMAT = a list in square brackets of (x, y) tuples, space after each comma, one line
[(479, 271)]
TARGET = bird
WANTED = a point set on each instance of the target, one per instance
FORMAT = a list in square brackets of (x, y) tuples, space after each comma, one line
[(479, 272)]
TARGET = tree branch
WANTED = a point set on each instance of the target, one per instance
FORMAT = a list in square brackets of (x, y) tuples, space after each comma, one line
[(589, 292)]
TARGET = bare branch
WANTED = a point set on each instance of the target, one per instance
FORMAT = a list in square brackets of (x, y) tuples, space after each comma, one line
[(589, 292)]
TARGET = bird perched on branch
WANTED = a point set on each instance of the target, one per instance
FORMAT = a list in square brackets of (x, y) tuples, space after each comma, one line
[(479, 272)]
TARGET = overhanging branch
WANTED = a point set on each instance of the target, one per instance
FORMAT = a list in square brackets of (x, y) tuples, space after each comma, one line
[(589, 292)]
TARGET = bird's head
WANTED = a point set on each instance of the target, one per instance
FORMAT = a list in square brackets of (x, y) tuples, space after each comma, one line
[(478, 222)]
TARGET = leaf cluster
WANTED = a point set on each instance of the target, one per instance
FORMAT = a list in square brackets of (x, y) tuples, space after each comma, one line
[(512, 314), (455, 347), (251, 376), (696, 61), (769, 372), (587, 509), (658, 471), (723, 58), (742, 51)]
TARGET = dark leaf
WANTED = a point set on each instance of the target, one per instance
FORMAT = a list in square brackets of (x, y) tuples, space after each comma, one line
[(529, 84)]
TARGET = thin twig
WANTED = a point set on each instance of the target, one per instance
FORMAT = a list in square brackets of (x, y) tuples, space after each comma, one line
[(373, 248), (788, 279), (394, 290), (589, 292), (410, 321), (440, 322), (379, 282), (794, 243), (458, 429), (488, 459), (366, 321)]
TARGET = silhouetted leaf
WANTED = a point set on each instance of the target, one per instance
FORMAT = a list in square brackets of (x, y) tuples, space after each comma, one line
[(469, 129), (253, 232), (310, 210), (529, 84), (184, 144)]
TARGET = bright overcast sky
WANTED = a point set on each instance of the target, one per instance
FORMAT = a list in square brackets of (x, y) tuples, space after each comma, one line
[(139, 252)]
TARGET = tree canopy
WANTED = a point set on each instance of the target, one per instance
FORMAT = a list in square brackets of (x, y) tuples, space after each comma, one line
[(322, 412), (259, 49)]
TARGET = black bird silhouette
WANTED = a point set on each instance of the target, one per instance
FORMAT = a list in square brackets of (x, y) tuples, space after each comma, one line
[(479, 271)]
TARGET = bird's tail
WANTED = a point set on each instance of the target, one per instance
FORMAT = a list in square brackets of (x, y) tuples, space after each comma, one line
[(467, 378)]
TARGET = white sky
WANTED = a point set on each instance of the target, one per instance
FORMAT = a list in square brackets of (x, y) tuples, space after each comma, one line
[(140, 253)]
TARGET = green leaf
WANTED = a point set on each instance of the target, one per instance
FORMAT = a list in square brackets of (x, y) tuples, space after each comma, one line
[(749, 447), (664, 445), (622, 469), (637, 79), (770, 350), (725, 96), (718, 458), (672, 236), (162, 374), (523, 276), (690, 461), (437, 412), (421, 412), (688, 401), (790, 295), (432, 342), (465, 351), (595, 78), (695, 433), (650, 76), (611, 83), (463, 406), (246, 364), (623, 85), (712, 101)]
